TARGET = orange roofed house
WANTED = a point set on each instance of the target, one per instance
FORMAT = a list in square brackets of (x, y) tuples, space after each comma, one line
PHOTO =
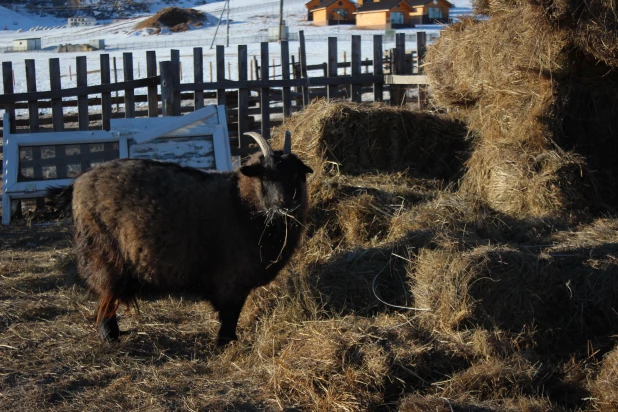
[(390, 14), (329, 12)]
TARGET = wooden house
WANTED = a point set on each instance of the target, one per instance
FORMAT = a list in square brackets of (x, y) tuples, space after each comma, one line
[(330, 12), (429, 11), (386, 14), (401, 13)]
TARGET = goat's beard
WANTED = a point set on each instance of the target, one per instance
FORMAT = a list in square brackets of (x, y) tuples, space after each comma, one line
[(274, 215)]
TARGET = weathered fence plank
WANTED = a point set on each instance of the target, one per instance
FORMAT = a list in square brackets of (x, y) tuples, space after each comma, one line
[(56, 103), (355, 88), (243, 96), (129, 93), (7, 82), (220, 56), (151, 71), (106, 97), (168, 86), (81, 71), (333, 89), (378, 68), (175, 58), (198, 77), (265, 92), (302, 57), (421, 50), (33, 107), (285, 75)]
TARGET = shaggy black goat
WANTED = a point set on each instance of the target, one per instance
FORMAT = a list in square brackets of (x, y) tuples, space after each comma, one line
[(141, 224)]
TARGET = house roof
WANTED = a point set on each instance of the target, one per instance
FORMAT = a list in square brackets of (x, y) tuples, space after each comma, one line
[(389, 4), (383, 5), (414, 3), (328, 3)]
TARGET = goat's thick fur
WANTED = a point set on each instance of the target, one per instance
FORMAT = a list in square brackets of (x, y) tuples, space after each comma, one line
[(141, 224)]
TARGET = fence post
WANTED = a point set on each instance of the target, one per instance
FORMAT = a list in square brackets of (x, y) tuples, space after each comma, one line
[(265, 92), (303, 65), (220, 64), (81, 72), (198, 77), (175, 57), (243, 95), (106, 97), (378, 68), (7, 81), (332, 89), (56, 102), (115, 81), (355, 88), (33, 105), (421, 49), (151, 71), (285, 75), (169, 85), (129, 92)]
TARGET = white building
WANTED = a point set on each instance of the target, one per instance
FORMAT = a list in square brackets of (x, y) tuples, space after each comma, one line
[(27, 44), (82, 21)]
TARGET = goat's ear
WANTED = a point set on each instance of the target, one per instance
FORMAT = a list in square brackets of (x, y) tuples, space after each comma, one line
[(307, 169), (252, 170)]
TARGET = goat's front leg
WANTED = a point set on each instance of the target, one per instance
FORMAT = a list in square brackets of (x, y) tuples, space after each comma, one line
[(229, 312)]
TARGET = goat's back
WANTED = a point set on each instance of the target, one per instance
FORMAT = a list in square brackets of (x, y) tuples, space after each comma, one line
[(156, 221)]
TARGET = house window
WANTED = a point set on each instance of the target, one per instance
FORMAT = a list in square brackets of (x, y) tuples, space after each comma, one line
[(341, 14), (397, 18), (435, 13)]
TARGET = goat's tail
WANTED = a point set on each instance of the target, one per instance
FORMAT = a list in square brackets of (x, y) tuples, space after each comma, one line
[(60, 198)]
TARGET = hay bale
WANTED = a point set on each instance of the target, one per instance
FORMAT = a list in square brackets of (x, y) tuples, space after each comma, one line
[(359, 138), (591, 27), (519, 81), (527, 183), (568, 299), (605, 386)]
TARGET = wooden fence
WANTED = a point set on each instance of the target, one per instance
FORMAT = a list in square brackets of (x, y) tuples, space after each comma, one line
[(248, 102)]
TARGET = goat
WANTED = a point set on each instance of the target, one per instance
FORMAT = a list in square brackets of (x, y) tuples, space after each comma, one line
[(150, 225)]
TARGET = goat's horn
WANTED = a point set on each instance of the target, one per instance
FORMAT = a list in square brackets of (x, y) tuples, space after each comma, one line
[(287, 143), (264, 146)]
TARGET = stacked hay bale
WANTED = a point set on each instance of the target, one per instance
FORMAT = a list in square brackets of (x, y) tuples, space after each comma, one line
[(538, 82)]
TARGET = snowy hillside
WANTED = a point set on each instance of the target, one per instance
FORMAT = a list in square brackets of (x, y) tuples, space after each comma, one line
[(247, 23)]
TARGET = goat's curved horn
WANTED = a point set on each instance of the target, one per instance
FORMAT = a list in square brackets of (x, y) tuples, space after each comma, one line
[(287, 143), (264, 146)]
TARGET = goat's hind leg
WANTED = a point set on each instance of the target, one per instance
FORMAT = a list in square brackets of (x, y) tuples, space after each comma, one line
[(107, 322)]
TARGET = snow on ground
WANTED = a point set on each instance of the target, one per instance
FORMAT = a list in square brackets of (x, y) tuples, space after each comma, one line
[(246, 22)]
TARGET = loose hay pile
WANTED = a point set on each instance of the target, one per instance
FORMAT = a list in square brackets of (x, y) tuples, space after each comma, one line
[(174, 18), (539, 83), (514, 314)]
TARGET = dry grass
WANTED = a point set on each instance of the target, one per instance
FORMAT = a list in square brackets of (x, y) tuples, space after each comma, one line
[(535, 83), (521, 312)]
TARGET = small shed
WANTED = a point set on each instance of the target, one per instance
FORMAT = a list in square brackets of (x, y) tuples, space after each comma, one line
[(79, 21), (33, 43), (332, 12)]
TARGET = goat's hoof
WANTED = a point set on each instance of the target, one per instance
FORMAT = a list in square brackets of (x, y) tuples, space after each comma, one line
[(109, 333), (224, 341)]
